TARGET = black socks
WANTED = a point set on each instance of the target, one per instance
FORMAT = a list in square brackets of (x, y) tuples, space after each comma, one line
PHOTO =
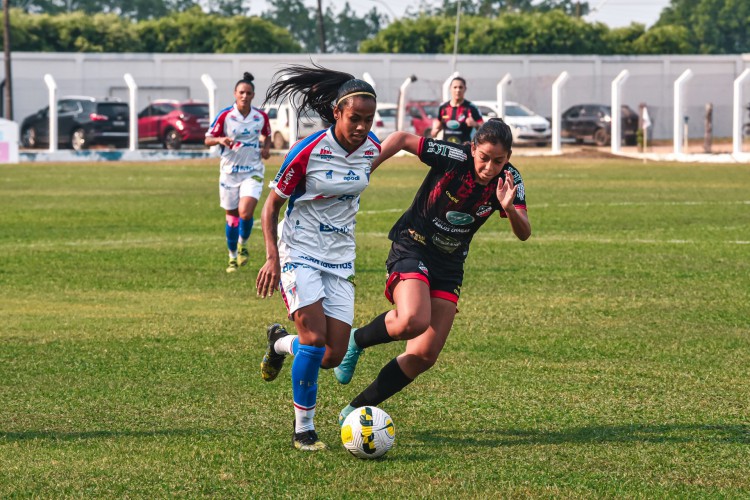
[(373, 333), (390, 380)]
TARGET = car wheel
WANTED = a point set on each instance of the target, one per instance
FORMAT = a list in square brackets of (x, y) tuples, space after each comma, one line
[(172, 139), (278, 141), (78, 140), (28, 138), (601, 137)]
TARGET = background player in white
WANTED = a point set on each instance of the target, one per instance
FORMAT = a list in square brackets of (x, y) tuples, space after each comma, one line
[(240, 130), (312, 251)]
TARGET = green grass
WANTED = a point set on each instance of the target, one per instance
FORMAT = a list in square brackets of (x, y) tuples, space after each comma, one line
[(608, 356)]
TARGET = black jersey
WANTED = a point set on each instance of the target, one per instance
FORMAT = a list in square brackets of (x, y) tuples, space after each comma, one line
[(450, 205), (454, 120)]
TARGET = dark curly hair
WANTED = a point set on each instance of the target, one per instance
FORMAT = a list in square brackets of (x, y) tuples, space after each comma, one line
[(321, 89), (495, 131)]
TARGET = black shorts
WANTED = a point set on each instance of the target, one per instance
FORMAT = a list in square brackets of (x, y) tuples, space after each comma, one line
[(409, 262)]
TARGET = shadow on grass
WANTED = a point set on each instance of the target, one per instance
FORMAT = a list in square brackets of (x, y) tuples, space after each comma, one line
[(665, 433), (74, 436)]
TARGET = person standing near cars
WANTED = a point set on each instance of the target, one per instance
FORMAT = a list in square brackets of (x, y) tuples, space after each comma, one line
[(243, 134), (458, 117)]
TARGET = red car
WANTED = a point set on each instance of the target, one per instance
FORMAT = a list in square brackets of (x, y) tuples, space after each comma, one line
[(173, 123), (422, 114)]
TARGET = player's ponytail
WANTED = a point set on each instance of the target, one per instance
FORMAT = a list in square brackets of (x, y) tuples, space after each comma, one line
[(246, 78), (495, 131), (320, 89)]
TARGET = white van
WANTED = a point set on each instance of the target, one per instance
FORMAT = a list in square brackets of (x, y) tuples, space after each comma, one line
[(278, 116), (527, 126)]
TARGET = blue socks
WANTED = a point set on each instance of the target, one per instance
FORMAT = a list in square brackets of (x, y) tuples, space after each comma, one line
[(245, 227), (305, 369)]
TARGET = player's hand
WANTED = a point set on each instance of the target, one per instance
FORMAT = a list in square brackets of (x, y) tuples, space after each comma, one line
[(268, 278), (471, 122), (225, 141), (265, 154), (506, 191)]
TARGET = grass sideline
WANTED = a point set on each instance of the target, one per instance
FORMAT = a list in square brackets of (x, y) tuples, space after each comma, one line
[(605, 357)]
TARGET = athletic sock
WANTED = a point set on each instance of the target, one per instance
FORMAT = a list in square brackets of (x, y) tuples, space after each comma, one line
[(373, 333), (389, 381), (305, 369), (288, 344), (232, 230), (246, 225)]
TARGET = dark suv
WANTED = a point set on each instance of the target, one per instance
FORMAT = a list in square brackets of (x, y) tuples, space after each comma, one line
[(81, 122), (173, 123), (594, 122)]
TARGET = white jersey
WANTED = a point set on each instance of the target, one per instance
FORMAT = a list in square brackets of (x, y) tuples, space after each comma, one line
[(245, 132), (323, 183)]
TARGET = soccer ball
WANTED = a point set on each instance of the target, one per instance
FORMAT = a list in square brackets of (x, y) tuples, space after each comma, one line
[(368, 432)]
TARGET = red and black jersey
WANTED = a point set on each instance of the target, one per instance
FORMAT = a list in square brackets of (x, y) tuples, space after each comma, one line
[(450, 205), (454, 121)]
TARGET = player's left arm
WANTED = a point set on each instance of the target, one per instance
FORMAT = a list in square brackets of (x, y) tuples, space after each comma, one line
[(474, 117), (265, 133), (518, 217), (394, 143)]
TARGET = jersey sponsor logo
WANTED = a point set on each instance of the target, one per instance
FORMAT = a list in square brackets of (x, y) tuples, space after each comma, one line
[(444, 243), (369, 153), (352, 279), (440, 224), (484, 211), (417, 237), (453, 124), (291, 290), (423, 268), (325, 154), (327, 228), (520, 192), (256, 178), (351, 176), (459, 218), (453, 198), (288, 176), (329, 174)]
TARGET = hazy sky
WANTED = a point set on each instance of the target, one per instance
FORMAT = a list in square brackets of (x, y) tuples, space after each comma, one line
[(614, 13)]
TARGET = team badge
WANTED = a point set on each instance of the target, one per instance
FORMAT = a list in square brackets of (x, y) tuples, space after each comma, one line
[(453, 124), (484, 211), (459, 218)]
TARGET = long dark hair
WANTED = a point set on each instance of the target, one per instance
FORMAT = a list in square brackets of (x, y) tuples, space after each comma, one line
[(321, 89), (495, 131), (246, 78)]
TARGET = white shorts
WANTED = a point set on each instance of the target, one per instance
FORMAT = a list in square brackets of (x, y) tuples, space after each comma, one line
[(302, 285), (232, 187)]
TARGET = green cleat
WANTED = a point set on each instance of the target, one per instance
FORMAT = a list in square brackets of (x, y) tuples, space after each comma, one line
[(345, 371), (272, 361), (345, 413), (243, 254), (232, 267)]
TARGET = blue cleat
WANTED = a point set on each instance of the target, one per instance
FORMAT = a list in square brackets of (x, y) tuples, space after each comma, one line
[(345, 413), (345, 371)]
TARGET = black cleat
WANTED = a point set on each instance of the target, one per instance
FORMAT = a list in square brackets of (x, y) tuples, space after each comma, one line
[(272, 361)]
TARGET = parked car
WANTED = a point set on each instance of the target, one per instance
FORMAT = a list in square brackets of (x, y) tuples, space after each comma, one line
[(422, 114), (278, 116), (385, 124), (527, 126), (173, 123), (82, 121), (593, 122)]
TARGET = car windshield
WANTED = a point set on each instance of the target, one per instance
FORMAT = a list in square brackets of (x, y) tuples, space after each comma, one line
[(517, 110), (431, 111), (198, 110), (112, 109), (387, 113)]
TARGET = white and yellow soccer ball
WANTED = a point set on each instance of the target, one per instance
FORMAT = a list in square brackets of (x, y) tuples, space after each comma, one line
[(368, 432)]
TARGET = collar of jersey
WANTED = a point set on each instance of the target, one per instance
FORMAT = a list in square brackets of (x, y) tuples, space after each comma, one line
[(336, 139)]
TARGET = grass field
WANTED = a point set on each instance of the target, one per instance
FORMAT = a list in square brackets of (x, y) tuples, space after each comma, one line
[(608, 356)]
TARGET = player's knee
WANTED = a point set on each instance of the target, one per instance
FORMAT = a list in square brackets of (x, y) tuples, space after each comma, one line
[(333, 356), (425, 361), (413, 325)]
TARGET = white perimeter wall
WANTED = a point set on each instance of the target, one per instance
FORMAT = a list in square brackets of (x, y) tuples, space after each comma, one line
[(178, 76)]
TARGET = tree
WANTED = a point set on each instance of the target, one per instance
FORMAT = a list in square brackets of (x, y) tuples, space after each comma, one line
[(715, 26)]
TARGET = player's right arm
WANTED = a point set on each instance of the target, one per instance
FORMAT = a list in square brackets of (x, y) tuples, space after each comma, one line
[(397, 141), (270, 273)]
